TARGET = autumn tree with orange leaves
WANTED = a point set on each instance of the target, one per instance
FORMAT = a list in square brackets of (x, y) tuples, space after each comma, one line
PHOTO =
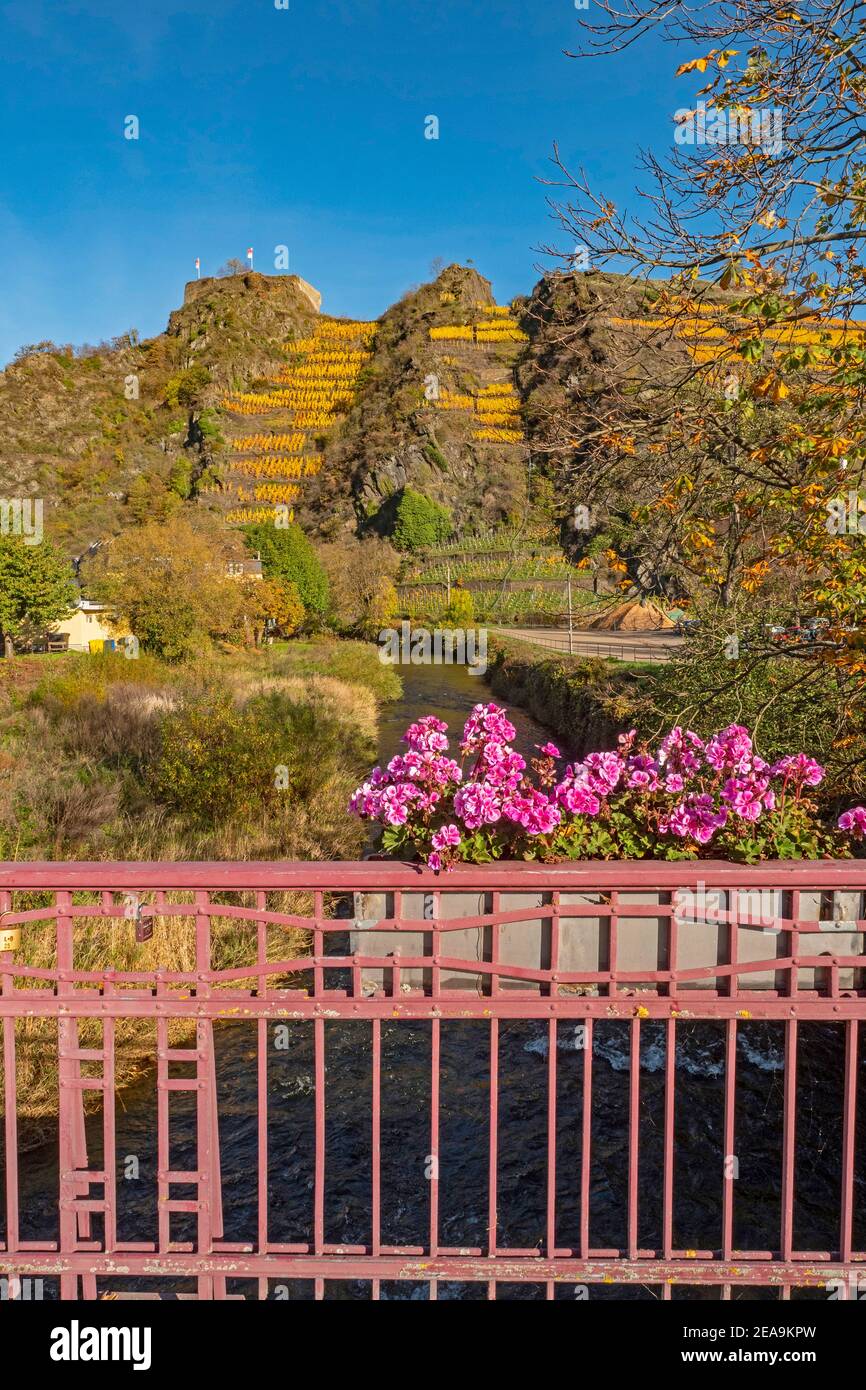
[(728, 426)]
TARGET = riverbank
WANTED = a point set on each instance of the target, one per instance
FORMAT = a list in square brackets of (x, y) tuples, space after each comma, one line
[(584, 701), (448, 692)]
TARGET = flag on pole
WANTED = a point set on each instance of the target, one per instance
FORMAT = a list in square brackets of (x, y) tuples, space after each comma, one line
[(198, 267), (250, 256)]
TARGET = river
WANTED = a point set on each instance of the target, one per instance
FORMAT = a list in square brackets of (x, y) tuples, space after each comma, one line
[(406, 1051), (449, 692)]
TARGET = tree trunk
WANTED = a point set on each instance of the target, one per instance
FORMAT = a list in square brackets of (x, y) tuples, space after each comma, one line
[(8, 648)]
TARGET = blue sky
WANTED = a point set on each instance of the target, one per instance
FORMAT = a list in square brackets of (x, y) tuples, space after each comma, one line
[(304, 127)]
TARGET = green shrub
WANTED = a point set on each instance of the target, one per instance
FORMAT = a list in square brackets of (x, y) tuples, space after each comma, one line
[(434, 454), (180, 479), (216, 763), (419, 522), (219, 762), (287, 555), (183, 389), (210, 427)]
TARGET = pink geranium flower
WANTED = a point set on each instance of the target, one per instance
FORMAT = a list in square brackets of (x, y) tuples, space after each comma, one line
[(854, 821), (486, 723), (680, 754), (798, 768), (603, 771), (730, 750), (427, 736), (445, 836), (744, 796), (688, 789), (696, 818), (642, 773), (478, 804), (534, 810), (575, 794)]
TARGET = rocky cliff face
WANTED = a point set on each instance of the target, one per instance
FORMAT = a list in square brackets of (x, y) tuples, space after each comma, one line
[(585, 342), (414, 423), (451, 395), (107, 434)]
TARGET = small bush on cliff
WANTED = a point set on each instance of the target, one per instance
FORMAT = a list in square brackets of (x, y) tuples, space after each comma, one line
[(184, 388), (419, 521)]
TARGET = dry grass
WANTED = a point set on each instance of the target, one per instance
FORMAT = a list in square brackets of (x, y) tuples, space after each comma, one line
[(102, 944), (335, 699)]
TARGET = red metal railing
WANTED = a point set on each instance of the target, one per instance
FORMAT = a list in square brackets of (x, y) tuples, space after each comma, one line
[(580, 945)]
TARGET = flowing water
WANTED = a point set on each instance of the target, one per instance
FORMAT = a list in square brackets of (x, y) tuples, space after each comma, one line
[(449, 692), (463, 1151)]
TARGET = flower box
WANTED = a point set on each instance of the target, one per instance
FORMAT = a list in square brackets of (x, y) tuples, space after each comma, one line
[(715, 922), (628, 832)]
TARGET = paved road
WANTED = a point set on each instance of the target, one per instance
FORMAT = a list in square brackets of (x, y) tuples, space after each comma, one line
[(621, 646)]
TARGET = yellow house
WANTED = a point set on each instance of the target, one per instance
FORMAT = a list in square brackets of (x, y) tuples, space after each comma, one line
[(89, 623)]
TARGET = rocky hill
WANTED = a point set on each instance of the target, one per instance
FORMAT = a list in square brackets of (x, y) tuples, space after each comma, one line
[(254, 400), (436, 409), (109, 434)]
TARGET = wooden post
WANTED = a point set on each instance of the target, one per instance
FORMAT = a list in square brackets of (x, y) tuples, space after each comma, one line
[(570, 626)]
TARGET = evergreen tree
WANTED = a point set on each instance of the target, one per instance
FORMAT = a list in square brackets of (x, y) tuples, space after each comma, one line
[(420, 522)]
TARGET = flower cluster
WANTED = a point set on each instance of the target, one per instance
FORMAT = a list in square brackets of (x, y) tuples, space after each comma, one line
[(417, 781), (686, 797)]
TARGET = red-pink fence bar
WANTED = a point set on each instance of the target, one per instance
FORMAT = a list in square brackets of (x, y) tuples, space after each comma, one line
[(801, 963)]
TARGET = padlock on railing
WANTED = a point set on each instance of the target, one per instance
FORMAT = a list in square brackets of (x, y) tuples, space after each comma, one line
[(133, 913), (10, 937)]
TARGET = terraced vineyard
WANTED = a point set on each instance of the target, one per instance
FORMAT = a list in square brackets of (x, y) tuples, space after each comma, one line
[(495, 406), (495, 410), (499, 327), (510, 573), (263, 476), (528, 565), (709, 332), (512, 576)]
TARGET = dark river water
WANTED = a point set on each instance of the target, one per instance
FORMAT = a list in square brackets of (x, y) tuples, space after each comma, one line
[(449, 692), (465, 1063)]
